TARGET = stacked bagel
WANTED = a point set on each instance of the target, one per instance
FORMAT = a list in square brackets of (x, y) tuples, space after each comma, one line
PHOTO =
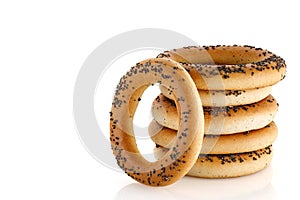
[(234, 84)]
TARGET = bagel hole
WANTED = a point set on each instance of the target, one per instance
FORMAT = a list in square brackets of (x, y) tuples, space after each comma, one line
[(141, 121), (227, 56)]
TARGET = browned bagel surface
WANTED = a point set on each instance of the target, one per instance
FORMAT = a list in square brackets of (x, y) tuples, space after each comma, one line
[(229, 67), (218, 98), (227, 165), (220, 120), (223, 144), (181, 157)]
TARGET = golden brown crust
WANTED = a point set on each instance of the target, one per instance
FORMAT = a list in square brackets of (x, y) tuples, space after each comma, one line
[(217, 98), (223, 144), (181, 157), (227, 165), (220, 120), (229, 67)]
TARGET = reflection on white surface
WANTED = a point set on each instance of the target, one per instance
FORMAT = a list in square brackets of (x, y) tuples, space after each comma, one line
[(255, 186)]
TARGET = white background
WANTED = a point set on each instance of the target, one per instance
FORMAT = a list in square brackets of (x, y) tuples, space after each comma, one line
[(42, 47)]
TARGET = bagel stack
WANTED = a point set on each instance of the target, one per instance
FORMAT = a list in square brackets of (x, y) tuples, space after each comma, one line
[(234, 84)]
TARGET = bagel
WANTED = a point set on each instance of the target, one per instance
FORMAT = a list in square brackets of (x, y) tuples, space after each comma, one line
[(227, 165), (229, 67), (218, 98), (181, 157), (220, 120), (223, 144)]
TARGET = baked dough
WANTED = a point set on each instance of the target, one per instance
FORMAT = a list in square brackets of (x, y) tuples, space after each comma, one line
[(223, 144), (227, 165), (220, 120), (127, 96), (218, 98), (229, 67)]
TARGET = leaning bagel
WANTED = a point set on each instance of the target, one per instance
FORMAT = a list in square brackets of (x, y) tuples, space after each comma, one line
[(223, 144), (218, 98), (181, 157), (229, 67), (220, 120), (227, 165)]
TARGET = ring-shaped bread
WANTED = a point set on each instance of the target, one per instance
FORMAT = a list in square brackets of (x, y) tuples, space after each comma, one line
[(218, 98), (238, 67), (220, 120), (220, 144), (227, 165), (184, 153)]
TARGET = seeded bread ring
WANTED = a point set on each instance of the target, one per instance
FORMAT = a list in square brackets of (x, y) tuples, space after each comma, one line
[(223, 144), (185, 149), (238, 67), (227, 165), (217, 98), (220, 120)]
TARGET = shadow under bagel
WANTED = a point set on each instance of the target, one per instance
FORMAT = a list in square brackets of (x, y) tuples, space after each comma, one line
[(254, 186)]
